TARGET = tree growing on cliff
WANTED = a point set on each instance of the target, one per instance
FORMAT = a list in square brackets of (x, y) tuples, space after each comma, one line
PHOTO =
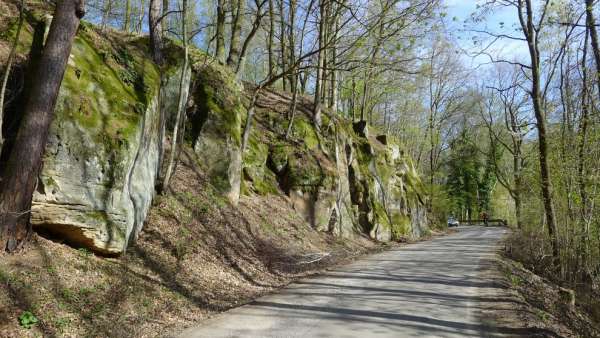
[(26, 156), (8, 67)]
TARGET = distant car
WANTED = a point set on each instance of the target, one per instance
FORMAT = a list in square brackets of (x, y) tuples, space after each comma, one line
[(453, 222)]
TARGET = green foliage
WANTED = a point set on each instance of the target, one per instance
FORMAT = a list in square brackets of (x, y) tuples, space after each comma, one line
[(471, 178), (27, 320)]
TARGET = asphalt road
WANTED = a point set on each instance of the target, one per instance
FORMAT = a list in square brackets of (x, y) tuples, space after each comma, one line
[(428, 289)]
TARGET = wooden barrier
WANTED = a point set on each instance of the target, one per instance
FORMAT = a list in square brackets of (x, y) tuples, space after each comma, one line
[(497, 222)]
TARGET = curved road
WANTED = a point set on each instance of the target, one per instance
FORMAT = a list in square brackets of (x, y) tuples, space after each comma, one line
[(428, 289)]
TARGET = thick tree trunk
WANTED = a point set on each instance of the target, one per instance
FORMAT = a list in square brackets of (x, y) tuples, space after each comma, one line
[(220, 32), (25, 159), (236, 35), (154, 24), (8, 68)]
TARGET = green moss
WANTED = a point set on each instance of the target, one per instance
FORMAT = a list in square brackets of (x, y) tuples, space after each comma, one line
[(279, 155), (219, 95), (306, 171), (305, 132), (380, 215), (401, 227), (266, 185), (99, 97), (259, 177)]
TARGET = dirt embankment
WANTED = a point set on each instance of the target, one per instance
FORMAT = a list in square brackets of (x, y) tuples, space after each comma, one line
[(532, 305)]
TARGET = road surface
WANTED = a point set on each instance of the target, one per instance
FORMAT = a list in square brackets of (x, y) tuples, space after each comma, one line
[(428, 289)]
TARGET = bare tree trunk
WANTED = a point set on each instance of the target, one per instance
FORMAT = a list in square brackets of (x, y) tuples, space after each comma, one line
[(25, 159), (9, 62), (249, 118), (271, 38), (142, 13), (106, 13), (334, 73), (255, 26), (220, 33), (282, 34), (165, 18), (591, 25), (293, 107), (353, 99), (320, 57), (292, 44), (236, 32), (154, 24), (583, 131), (540, 116), (181, 100), (127, 16)]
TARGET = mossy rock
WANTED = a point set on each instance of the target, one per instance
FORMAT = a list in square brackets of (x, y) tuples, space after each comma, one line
[(216, 127), (102, 153)]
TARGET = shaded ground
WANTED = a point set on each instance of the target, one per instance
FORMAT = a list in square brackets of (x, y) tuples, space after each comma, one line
[(535, 303), (430, 289), (196, 256)]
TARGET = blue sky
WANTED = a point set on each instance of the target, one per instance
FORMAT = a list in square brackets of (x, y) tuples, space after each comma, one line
[(501, 20)]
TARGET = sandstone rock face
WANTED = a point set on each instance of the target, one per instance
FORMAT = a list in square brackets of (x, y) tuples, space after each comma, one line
[(101, 159), (217, 128)]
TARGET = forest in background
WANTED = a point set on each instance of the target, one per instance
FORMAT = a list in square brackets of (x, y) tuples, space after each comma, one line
[(516, 138)]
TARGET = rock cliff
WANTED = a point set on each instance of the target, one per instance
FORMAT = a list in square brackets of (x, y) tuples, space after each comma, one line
[(102, 157)]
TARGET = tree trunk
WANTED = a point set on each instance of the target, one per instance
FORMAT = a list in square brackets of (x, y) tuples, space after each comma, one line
[(106, 14), (293, 107), (25, 159), (271, 38), (220, 33), (165, 18), (142, 13), (241, 62), (127, 16), (154, 23), (236, 32), (591, 25), (181, 100), (583, 131), (8, 68), (319, 79), (516, 193), (282, 34), (292, 44), (249, 118), (334, 79), (540, 116)]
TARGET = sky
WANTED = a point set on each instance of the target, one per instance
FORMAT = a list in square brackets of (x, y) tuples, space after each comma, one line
[(459, 14)]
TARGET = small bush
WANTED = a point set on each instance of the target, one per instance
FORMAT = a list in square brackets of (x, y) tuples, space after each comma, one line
[(27, 319)]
